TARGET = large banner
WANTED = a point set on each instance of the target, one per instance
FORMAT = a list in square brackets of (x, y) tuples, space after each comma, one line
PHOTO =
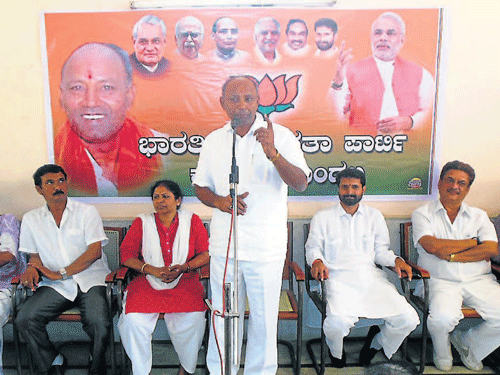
[(355, 88)]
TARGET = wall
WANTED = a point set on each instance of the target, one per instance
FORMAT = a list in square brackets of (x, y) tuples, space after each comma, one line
[(468, 104)]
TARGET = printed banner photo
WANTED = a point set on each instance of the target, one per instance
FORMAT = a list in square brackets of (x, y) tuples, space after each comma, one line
[(133, 94)]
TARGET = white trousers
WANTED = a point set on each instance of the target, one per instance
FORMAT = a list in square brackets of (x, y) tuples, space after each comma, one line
[(185, 329), (391, 335), (446, 311), (5, 306), (260, 282)]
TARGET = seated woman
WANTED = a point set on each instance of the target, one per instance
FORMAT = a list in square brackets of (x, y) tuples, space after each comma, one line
[(165, 247)]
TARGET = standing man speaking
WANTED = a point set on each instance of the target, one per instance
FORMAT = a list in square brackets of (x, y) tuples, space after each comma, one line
[(269, 159)]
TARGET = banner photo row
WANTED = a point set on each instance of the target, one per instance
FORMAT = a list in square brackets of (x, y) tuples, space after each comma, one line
[(133, 94)]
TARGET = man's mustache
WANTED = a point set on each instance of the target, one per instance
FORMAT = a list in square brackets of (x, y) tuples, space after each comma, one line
[(57, 192)]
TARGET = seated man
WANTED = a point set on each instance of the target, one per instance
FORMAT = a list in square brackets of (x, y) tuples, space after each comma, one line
[(455, 243), (12, 264), (64, 239), (345, 242)]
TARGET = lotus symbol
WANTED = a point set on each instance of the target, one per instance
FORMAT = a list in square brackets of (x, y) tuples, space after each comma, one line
[(277, 95)]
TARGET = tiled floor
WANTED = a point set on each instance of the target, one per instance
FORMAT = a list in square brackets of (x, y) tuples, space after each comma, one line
[(165, 358)]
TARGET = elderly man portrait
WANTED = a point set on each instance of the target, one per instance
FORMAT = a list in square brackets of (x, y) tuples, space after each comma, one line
[(296, 38), (266, 36), (64, 239), (345, 244), (455, 243), (225, 34), (150, 39), (98, 144), (270, 160), (325, 35), (383, 93), (189, 34)]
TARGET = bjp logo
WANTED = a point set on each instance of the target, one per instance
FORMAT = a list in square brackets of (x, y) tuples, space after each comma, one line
[(277, 95)]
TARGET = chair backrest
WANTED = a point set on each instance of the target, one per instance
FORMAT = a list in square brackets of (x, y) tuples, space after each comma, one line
[(307, 268), (112, 248), (408, 250), (289, 250)]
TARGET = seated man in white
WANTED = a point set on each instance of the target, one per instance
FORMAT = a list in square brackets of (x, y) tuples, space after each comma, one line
[(455, 243), (344, 244)]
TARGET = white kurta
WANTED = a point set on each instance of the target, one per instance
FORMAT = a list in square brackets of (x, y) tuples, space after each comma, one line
[(266, 213), (261, 235), (452, 283), (350, 246), (389, 107), (58, 247)]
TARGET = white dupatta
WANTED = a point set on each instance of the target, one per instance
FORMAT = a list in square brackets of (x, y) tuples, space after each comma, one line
[(151, 248)]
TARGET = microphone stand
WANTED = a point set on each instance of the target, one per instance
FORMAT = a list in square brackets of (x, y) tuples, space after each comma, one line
[(231, 291), (231, 314)]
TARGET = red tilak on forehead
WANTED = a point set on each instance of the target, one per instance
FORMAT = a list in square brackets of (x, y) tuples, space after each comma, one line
[(90, 74)]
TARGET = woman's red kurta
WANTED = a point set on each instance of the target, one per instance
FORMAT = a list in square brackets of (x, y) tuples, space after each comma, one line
[(187, 296)]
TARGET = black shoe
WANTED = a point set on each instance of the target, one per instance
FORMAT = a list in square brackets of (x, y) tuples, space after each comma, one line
[(337, 363), (101, 369), (58, 369), (366, 354)]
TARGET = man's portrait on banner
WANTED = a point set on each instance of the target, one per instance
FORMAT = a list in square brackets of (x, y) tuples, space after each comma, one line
[(356, 87), (383, 93), (97, 145), (150, 39)]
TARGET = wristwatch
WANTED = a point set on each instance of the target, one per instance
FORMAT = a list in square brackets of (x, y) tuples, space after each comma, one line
[(63, 273)]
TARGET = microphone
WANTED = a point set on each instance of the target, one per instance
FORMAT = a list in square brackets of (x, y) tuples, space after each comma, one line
[(235, 122)]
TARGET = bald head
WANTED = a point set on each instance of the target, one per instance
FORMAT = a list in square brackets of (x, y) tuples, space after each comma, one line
[(240, 101), (96, 91), (105, 53)]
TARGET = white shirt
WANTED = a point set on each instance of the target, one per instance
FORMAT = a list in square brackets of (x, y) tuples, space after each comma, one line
[(260, 56), (58, 247), (262, 230), (432, 220), (389, 107), (344, 242), (350, 245)]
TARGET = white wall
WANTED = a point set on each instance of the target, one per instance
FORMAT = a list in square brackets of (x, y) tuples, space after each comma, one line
[(469, 104)]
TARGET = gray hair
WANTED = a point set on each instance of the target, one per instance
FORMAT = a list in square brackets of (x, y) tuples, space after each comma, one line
[(396, 17), (149, 20), (258, 25), (122, 55), (192, 19)]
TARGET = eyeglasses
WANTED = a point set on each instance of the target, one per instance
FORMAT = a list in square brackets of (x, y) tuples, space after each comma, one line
[(188, 34), (451, 181)]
